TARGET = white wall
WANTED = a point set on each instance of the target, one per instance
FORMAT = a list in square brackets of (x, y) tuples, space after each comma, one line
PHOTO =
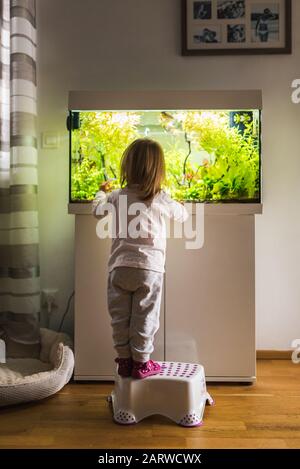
[(135, 44)]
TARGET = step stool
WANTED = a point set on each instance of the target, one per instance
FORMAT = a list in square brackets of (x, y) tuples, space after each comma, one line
[(178, 392)]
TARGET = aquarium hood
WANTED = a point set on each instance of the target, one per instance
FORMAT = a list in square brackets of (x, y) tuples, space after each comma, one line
[(157, 100)]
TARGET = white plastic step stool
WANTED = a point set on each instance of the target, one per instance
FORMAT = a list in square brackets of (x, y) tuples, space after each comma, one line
[(178, 392)]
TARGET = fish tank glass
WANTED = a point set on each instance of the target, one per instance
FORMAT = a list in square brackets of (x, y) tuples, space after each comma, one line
[(211, 155)]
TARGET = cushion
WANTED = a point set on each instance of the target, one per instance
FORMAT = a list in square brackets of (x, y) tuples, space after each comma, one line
[(30, 379), (18, 350)]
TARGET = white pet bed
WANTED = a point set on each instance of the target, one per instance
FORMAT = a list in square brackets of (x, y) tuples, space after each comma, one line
[(31, 379)]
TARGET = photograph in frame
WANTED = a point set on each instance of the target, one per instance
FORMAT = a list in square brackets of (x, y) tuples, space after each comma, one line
[(219, 27)]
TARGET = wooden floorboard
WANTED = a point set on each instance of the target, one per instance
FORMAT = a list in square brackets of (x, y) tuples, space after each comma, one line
[(263, 415)]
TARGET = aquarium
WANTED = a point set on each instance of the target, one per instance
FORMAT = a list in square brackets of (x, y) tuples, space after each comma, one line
[(211, 155)]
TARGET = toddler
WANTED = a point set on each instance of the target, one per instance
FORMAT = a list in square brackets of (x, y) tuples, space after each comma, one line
[(137, 259)]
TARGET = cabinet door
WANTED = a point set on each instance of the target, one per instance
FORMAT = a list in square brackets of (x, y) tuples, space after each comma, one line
[(210, 312), (94, 353)]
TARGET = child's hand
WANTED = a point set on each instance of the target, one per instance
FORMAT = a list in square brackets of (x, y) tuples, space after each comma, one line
[(105, 186)]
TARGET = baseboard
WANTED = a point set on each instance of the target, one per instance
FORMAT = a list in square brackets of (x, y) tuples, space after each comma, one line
[(274, 354)]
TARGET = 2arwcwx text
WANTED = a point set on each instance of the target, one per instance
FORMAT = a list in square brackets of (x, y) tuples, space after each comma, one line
[(151, 458)]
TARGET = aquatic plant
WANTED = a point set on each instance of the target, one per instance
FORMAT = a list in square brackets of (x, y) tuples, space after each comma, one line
[(96, 149), (210, 155), (230, 158)]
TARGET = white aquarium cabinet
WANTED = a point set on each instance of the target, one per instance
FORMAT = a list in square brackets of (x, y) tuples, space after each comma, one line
[(208, 307)]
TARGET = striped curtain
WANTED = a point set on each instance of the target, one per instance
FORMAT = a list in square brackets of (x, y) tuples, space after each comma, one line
[(19, 262)]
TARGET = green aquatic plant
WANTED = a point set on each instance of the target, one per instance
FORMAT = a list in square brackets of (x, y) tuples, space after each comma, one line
[(210, 155), (230, 169), (96, 149)]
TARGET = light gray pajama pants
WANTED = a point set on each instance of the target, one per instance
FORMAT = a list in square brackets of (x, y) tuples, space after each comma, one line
[(134, 297)]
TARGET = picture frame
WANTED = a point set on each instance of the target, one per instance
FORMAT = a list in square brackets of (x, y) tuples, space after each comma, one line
[(236, 27)]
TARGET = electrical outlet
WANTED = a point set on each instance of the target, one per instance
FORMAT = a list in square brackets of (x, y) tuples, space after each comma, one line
[(50, 140), (50, 298)]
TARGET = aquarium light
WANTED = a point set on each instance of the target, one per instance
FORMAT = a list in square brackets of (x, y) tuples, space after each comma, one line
[(159, 100)]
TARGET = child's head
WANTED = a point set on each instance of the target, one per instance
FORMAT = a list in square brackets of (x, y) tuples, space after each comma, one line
[(143, 165)]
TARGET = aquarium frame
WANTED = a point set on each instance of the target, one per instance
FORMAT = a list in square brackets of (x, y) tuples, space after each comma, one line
[(260, 156), (225, 100), (208, 202), (69, 126)]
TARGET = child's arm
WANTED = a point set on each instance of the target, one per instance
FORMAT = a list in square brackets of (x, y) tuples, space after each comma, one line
[(257, 26), (101, 198), (174, 210)]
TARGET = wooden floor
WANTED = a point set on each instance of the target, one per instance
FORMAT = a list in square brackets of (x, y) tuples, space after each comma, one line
[(264, 415)]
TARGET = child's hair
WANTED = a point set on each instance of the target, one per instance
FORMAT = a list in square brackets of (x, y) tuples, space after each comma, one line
[(143, 165)]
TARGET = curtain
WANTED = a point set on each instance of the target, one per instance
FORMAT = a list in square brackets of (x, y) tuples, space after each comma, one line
[(19, 243)]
